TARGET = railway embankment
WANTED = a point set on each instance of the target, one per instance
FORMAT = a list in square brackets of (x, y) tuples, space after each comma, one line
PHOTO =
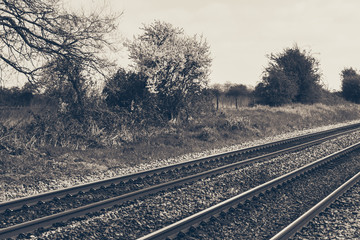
[(33, 169)]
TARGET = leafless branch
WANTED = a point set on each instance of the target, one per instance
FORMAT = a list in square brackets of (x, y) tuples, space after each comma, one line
[(34, 32)]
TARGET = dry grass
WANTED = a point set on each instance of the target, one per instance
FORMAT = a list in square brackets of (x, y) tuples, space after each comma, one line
[(274, 120)]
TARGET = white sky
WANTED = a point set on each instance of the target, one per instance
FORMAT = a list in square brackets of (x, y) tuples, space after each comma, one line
[(242, 32)]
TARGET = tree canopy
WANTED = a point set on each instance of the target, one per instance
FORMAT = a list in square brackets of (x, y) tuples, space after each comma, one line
[(237, 91), (176, 65), (350, 85), (276, 89), (125, 89), (293, 76)]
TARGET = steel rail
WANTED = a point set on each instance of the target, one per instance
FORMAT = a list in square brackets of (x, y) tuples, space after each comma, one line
[(304, 219), (31, 200), (81, 211), (193, 220)]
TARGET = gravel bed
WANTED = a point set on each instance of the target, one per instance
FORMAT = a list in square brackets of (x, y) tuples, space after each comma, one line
[(13, 191), (340, 221), (243, 178), (136, 218)]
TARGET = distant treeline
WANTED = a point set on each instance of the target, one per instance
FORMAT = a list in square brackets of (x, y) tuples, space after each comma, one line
[(15, 97), (23, 97)]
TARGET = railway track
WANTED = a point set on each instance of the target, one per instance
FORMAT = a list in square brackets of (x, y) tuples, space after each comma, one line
[(189, 224), (79, 211), (304, 219), (273, 149)]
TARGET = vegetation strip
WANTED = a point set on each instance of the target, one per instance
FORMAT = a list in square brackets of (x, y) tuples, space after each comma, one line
[(295, 226), (174, 229), (18, 203)]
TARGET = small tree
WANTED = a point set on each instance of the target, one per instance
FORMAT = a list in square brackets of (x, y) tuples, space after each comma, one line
[(176, 66), (350, 85), (39, 36), (64, 80), (276, 89), (236, 92), (292, 68), (125, 89), (216, 91), (348, 73)]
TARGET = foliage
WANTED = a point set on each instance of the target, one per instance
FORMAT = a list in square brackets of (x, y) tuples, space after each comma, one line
[(15, 97), (125, 89), (199, 105), (126, 94), (237, 91), (293, 69), (65, 82), (332, 98), (276, 89), (176, 65), (216, 91), (350, 85), (229, 94)]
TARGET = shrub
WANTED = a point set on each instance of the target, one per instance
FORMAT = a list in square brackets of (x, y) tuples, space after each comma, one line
[(177, 66), (276, 89), (124, 90), (351, 85), (292, 76)]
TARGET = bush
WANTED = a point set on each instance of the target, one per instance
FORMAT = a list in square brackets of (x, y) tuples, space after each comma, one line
[(351, 85), (177, 66), (207, 134), (292, 76), (124, 90), (332, 98), (276, 89), (15, 97)]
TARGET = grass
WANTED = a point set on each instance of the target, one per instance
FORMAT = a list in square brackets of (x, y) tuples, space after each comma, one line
[(32, 163)]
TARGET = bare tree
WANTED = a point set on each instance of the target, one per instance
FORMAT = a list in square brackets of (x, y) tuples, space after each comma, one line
[(34, 33)]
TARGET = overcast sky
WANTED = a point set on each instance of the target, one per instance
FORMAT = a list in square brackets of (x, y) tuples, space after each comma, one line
[(242, 32)]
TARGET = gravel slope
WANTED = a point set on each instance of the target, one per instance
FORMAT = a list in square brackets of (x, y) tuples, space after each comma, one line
[(12, 189), (245, 179)]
